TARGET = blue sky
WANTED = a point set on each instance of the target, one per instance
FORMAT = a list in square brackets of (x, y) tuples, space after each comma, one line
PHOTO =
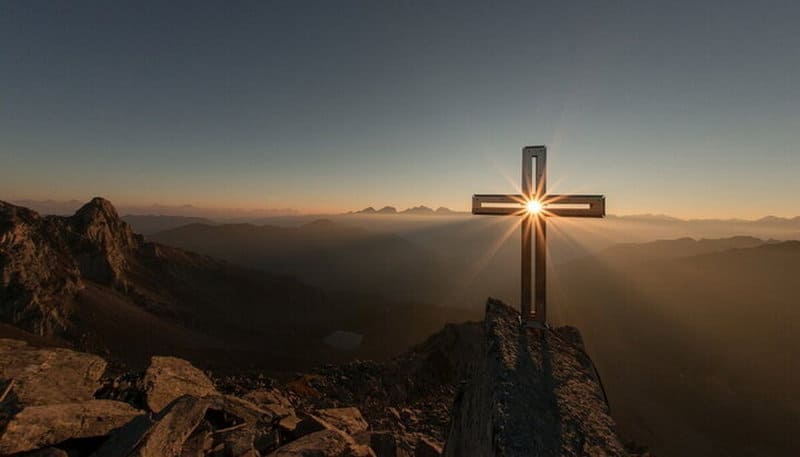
[(686, 108)]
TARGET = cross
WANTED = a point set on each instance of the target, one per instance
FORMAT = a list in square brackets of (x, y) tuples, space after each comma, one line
[(535, 206)]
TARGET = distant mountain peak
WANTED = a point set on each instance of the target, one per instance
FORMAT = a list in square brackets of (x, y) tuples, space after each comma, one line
[(414, 210), (422, 209)]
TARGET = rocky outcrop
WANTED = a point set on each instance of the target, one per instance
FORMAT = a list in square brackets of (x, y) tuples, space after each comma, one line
[(168, 378), (348, 419), (531, 392), (518, 392), (36, 271), (53, 405), (39, 426), (196, 426), (44, 260), (47, 376), (324, 443), (101, 242)]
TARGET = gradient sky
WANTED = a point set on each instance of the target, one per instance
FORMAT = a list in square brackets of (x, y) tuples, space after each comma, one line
[(682, 108)]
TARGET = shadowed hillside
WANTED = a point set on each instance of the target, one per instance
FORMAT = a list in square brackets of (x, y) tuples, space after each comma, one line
[(702, 348), (89, 280), (323, 253)]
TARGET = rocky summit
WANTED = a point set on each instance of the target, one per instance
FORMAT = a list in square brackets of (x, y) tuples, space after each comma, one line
[(531, 392), (496, 389), (47, 259)]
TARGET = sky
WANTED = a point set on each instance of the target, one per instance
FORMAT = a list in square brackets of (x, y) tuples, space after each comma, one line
[(684, 108)]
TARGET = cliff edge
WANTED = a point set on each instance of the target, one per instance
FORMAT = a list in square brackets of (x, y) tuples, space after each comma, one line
[(531, 392)]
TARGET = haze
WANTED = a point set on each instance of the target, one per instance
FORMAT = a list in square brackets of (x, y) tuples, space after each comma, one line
[(678, 108)]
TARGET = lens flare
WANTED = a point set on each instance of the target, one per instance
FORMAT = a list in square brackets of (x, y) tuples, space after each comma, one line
[(533, 206)]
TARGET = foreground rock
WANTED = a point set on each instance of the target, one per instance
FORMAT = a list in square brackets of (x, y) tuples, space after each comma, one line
[(532, 392), (39, 426), (168, 378), (518, 392), (324, 443), (348, 420), (196, 426), (47, 376)]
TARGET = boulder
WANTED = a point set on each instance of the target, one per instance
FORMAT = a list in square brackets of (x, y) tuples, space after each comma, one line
[(47, 376), (38, 426), (47, 452), (532, 391), (427, 448), (168, 378), (324, 443), (382, 443), (288, 425), (263, 397), (196, 426), (349, 420), (310, 423), (271, 400)]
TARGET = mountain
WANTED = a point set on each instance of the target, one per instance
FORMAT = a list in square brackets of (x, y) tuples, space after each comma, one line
[(90, 281), (323, 253), (387, 210), (682, 247), (698, 350), (418, 210), (148, 224)]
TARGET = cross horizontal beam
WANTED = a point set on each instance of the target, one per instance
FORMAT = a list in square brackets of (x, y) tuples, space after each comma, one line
[(552, 205)]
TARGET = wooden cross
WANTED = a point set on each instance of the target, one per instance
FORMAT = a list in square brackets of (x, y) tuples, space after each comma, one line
[(535, 206)]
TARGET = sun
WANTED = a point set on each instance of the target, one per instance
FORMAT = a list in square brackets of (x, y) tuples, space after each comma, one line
[(533, 206)]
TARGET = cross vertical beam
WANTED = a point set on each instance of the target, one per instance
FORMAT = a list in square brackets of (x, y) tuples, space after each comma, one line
[(534, 228), (536, 206)]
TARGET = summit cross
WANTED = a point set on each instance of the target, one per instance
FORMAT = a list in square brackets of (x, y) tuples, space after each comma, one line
[(536, 206)]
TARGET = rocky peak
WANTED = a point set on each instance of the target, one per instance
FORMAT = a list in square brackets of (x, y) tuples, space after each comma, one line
[(531, 392), (44, 260), (34, 270), (102, 241)]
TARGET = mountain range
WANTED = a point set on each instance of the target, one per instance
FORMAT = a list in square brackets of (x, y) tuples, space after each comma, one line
[(416, 210), (90, 281)]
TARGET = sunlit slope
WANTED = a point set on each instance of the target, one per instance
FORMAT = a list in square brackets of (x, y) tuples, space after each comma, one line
[(704, 348)]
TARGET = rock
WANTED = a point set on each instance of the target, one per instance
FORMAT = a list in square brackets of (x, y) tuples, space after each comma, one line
[(288, 425), (36, 275), (382, 443), (168, 378), (39, 426), (324, 443), (310, 424), (427, 448), (263, 397), (194, 426), (46, 452), (46, 376), (102, 242), (348, 420), (45, 260), (531, 392), (271, 400)]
